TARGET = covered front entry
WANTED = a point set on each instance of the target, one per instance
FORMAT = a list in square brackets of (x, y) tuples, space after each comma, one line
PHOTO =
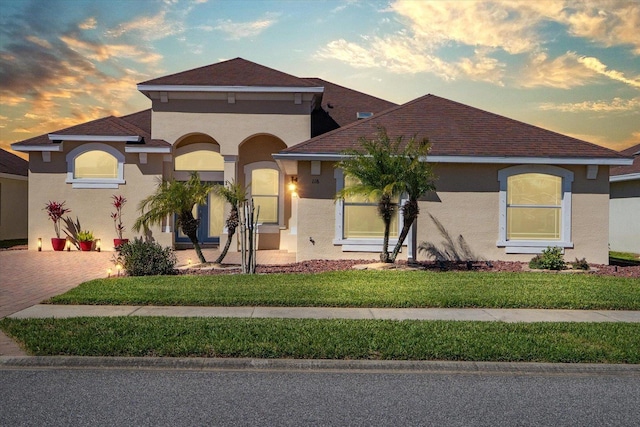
[(211, 217)]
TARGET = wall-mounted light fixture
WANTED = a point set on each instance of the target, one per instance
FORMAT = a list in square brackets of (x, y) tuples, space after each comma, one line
[(39, 244), (98, 245), (293, 185)]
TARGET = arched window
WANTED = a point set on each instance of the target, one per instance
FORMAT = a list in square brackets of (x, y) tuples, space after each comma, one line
[(95, 165), (535, 208), (199, 157)]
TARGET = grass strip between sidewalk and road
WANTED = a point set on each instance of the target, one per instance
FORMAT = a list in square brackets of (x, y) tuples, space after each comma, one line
[(328, 339), (400, 289)]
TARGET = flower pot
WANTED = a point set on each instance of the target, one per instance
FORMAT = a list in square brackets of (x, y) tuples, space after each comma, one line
[(86, 246), (118, 242), (58, 244)]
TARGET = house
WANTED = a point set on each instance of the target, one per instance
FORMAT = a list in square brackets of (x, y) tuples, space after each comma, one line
[(505, 190), (14, 191), (624, 204)]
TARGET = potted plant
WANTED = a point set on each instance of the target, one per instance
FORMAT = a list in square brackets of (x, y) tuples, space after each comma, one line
[(85, 239), (118, 203), (55, 211)]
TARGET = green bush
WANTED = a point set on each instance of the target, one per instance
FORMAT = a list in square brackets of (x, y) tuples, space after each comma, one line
[(550, 259), (581, 264), (140, 258)]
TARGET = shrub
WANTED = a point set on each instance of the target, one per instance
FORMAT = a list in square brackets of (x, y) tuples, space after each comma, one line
[(581, 264), (550, 259), (140, 258)]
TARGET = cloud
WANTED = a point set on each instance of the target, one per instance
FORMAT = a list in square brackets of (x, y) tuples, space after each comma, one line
[(148, 28), (241, 30), (40, 42), (563, 72), (615, 105), (600, 68), (88, 24), (102, 52)]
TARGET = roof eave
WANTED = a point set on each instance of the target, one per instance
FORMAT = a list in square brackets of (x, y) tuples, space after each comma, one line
[(625, 177), (198, 88), (94, 138)]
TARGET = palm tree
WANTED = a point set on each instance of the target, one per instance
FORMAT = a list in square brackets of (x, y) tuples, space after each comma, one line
[(377, 173), (234, 194), (176, 197), (385, 171), (417, 178)]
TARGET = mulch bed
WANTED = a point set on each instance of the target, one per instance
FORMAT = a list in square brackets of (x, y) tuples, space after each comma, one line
[(319, 266)]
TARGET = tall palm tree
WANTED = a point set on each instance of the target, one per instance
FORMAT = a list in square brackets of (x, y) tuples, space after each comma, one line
[(377, 173), (234, 194), (417, 178), (176, 197), (385, 170)]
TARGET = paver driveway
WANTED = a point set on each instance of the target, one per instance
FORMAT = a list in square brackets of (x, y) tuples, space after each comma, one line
[(29, 277)]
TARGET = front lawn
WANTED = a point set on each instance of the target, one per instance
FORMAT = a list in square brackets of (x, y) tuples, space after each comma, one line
[(367, 289), (329, 339)]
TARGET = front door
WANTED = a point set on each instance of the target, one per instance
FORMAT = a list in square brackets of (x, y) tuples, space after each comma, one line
[(211, 217)]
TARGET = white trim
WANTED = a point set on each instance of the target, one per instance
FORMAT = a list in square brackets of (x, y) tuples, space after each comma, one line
[(27, 148), (145, 149), (94, 138), (249, 89), (626, 177), (527, 246), (475, 159), (12, 176), (94, 183)]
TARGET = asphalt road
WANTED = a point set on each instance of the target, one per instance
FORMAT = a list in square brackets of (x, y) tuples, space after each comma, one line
[(164, 397)]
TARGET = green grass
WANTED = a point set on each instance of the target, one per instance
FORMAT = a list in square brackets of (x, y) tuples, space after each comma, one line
[(5, 244), (367, 289), (329, 339)]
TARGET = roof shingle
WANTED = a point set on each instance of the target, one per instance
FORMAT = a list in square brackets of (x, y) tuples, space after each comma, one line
[(456, 129), (12, 164), (634, 152)]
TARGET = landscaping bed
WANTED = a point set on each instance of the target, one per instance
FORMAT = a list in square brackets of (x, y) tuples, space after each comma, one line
[(319, 266)]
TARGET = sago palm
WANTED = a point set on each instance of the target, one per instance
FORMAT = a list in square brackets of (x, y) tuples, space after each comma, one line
[(234, 194), (179, 198)]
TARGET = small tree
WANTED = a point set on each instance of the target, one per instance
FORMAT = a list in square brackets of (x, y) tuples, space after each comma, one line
[(234, 194), (179, 198), (55, 211), (385, 170), (118, 203)]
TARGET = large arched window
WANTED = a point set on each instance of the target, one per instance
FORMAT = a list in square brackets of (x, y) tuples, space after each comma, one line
[(95, 165), (199, 157), (535, 208)]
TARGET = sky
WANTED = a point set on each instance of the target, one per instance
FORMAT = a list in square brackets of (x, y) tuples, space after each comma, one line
[(569, 66)]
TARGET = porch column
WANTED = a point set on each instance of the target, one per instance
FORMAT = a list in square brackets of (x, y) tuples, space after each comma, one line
[(230, 175)]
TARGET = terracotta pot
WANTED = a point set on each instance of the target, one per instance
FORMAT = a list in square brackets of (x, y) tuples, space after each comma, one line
[(58, 244), (86, 246), (118, 242)]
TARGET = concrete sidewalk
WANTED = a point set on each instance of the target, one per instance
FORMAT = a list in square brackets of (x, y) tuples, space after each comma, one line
[(474, 314)]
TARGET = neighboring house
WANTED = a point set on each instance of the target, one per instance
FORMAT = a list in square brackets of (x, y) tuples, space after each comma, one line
[(14, 193), (624, 204), (505, 190)]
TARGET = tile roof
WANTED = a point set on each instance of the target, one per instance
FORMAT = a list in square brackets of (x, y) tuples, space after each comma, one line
[(136, 124), (456, 129), (340, 106), (12, 164), (234, 72), (626, 170)]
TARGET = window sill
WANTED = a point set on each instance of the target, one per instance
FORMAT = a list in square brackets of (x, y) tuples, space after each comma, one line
[(363, 245), (87, 183), (532, 246)]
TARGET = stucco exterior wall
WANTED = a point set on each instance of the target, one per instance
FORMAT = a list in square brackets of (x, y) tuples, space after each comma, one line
[(624, 220), (466, 206), (14, 196), (230, 130), (92, 206)]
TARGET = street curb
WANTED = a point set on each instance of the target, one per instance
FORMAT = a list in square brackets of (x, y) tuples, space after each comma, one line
[(292, 365)]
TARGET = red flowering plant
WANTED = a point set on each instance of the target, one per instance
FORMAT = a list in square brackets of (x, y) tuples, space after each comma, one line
[(118, 203), (55, 211)]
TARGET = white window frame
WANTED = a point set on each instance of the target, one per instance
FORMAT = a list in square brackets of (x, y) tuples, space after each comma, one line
[(94, 182), (268, 227), (360, 244), (535, 246)]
